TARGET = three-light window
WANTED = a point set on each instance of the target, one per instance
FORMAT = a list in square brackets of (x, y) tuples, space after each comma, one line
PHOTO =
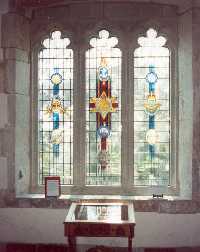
[(119, 114)]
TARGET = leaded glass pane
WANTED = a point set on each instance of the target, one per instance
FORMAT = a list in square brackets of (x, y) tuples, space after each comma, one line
[(151, 111), (55, 109), (103, 111)]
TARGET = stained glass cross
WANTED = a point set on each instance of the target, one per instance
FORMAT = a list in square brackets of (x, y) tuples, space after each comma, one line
[(103, 105)]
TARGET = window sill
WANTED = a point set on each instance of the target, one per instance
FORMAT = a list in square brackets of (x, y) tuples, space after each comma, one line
[(101, 197), (168, 204)]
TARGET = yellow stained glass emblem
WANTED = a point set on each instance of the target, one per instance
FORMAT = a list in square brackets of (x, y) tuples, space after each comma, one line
[(55, 106), (103, 104), (151, 106)]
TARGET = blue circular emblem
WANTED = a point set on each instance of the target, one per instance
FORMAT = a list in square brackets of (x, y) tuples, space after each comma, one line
[(151, 77), (56, 78), (103, 73), (103, 132)]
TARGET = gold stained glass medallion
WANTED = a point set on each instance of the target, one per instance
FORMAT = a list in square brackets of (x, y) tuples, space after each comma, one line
[(151, 106), (103, 104), (56, 106)]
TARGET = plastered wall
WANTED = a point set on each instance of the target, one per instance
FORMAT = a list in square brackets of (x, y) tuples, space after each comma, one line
[(46, 226)]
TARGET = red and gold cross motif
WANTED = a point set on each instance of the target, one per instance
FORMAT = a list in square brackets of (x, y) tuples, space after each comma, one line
[(103, 104)]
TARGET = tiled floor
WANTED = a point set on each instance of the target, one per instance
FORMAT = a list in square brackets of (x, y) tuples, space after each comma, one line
[(62, 248)]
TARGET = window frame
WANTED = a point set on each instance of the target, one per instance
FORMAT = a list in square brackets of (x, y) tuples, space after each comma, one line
[(171, 44), (127, 46), (63, 121), (88, 57)]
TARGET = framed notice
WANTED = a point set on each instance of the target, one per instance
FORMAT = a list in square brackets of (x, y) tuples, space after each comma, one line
[(52, 186)]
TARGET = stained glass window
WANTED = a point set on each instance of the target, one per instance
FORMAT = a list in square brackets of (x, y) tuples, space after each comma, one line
[(103, 106), (55, 109), (152, 111)]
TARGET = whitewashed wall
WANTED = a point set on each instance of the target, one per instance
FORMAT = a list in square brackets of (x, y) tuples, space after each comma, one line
[(46, 226)]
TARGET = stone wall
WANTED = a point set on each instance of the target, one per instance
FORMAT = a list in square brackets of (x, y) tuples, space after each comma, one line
[(15, 109), (3, 107), (196, 107), (20, 35)]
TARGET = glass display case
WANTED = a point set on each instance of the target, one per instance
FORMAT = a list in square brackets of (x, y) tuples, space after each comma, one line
[(99, 219)]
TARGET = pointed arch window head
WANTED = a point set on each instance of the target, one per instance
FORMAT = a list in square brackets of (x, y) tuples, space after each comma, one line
[(152, 123), (103, 106), (55, 108)]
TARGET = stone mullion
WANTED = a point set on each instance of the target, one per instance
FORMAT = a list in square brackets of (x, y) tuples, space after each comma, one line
[(82, 111), (130, 112), (76, 119), (125, 103), (79, 118)]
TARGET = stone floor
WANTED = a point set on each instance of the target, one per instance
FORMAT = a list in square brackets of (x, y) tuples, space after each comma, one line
[(62, 248)]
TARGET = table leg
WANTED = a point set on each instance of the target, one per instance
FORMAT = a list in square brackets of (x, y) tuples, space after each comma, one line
[(72, 243), (130, 244)]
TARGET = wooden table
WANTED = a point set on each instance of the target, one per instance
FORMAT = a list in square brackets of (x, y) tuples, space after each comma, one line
[(96, 219)]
